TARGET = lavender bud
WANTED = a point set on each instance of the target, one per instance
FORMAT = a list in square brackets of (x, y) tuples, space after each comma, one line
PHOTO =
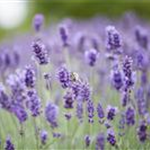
[(43, 136), (29, 77), (141, 37), (69, 99), (111, 137), (100, 141), (117, 78), (4, 99), (33, 103), (40, 52), (100, 112), (38, 22), (125, 98), (63, 76), (64, 35), (91, 57), (141, 103), (142, 131), (129, 75), (19, 112), (130, 116), (8, 144), (90, 111), (111, 112), (79, 111), (68, 116), (57, 135), (113, 39), (87, 140), (51, 114)]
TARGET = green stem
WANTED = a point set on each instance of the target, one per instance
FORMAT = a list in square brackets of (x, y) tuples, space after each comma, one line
[(36, 134)]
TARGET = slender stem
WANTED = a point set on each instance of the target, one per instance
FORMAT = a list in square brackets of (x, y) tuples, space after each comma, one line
[(36, 133)]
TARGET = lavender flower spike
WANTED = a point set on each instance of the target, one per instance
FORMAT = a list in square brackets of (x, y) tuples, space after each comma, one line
[(64, 35), (43, 136), (130, 116), (100, 112), (51, 114), (113, 39), (9, 145), (142, 131), (111, 112), (90, 111), (4, 99), (29, 77), (87, 140), (40, 52), (38, 22), (100, 141), (63, 76), (33, 103), (91, 57), (111, 137)]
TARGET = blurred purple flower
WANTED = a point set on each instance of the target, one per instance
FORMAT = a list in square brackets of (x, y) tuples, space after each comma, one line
[(87, 140), (100, 112), (63, 76), (8, 144), (142, 131), (111, 138), (38, 21), (43, 136), (111, 112), (90, 111), (29, 77), (100, 141), (33, 103), (113, 39), (40, 52), (91, 57), (130, 116), (51, 114)]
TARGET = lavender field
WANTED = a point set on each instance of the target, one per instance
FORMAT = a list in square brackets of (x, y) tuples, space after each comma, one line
[(76, 85)]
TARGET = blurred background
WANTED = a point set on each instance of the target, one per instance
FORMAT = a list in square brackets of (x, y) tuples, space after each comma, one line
[(16, 15)]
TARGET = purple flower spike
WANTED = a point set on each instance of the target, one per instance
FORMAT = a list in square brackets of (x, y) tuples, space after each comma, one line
[(64, 35), (142, 131), (38, 21), (100, 141), (51, 114), (87, 140), (79, 111), (141, 103), (29, 77), (19, 112), (33, 103), (9, 145), (117, 78), (40, 52), (113, 39), (4, 99), (69, 99), (90, 111), (100, 112), (141, 37), (111, 112), (91, 57), (111, 137), (129, 75), (130, 116), (63, 76), (43, 136)]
